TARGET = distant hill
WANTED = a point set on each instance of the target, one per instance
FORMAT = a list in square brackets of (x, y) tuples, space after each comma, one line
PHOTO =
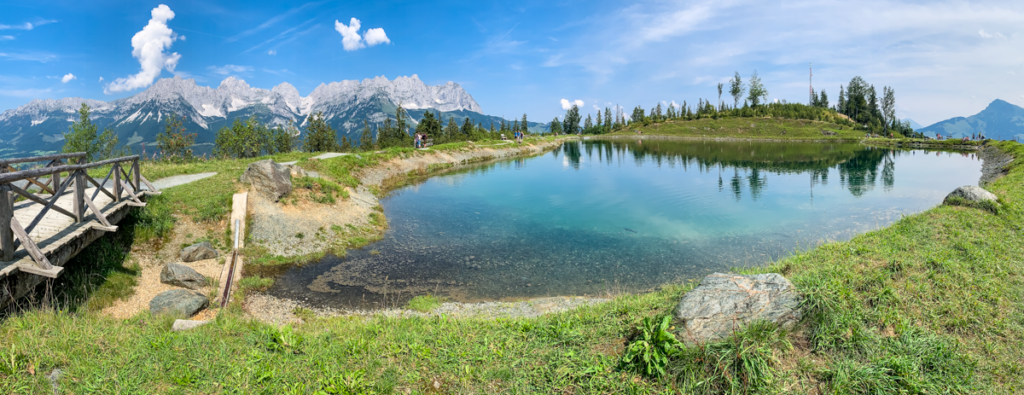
[(913, 124), (38, 126), (1000, 121)]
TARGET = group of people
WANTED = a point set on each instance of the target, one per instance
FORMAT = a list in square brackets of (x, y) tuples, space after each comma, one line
[(419, 139), (519, 137)]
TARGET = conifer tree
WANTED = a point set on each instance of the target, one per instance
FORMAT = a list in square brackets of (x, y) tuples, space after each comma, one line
[(608, 118), (467, 129), (556, 126), (757, 92), (588, 124), (720, 86), (366, 139), (523, 126), (571, 123)]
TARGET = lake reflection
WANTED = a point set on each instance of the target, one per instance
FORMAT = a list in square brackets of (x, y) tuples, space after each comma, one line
[(597, 216)]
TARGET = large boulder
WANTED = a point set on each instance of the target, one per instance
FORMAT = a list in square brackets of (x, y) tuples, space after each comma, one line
[(971, 193), (725, 303), (268, 178), (198, 252), (180, 275), (180, 302)]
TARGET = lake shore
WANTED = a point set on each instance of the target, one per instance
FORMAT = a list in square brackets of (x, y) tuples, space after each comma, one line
[(932, 302)]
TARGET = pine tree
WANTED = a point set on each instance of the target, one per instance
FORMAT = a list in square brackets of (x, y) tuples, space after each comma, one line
[(346, 146), (608, 118), (523, 126), (841, 106), (81, 137), (320, 137), (366, 139), (597, 119), (588, 124), (556, 126), (720, 86), (571, 123), (757, 92), (467, 129)]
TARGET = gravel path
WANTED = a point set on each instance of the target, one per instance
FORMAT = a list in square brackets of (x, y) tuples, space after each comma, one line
[(174, 181)]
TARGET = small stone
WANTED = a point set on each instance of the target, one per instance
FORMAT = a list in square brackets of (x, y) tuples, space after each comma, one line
[(179, 302), (180, 275), (724, 303), (296, 171), (198, 252), (268, 178), (972, 193), (54, 378), (184, 325)]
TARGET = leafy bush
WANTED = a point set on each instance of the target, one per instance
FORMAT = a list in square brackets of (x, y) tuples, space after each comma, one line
[(648, 354)]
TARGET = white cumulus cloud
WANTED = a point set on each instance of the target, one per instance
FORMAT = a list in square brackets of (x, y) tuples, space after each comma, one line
[(271, 52), (984, 34), (351, 40), (376, 36), (149, 46), (67, 78), (101, 79), (568, 104)]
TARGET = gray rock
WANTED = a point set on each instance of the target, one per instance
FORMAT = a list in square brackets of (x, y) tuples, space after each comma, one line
[(296, 171), (724, 303), (181, 302), (184, 325), (972, 193), (180, 275), (198, 252), (269, 179)]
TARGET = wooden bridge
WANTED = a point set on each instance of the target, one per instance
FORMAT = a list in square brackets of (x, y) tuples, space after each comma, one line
[(51, 213)]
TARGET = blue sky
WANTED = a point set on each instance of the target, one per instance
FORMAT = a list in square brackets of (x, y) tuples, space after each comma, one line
[(943, 58)]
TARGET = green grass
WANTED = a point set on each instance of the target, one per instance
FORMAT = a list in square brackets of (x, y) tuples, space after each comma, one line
[(932, 304), (424, 303), (747, 128)]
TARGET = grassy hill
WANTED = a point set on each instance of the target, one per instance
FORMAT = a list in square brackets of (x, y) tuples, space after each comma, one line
[(748, 128)]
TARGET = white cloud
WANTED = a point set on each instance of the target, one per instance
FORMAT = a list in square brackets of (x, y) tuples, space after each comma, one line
[(984, 34), (6, 38), (596, 107), (101, 79), (568, 104), (37, 57), (230, 69), (376, 36), (67, 78), (271, 52), (24, 26), (350, 38), (148, 46)]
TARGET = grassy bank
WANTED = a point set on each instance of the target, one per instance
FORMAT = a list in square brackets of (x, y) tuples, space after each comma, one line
[(748, 128), (932, 304)]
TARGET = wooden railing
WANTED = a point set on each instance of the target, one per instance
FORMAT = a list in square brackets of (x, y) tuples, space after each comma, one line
[(46, 192)]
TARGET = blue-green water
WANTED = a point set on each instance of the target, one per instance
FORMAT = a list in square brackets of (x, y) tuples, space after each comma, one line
[(595, 217)]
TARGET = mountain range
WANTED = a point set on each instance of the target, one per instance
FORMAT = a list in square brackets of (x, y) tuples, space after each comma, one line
[(38, 127), (1000, 121)]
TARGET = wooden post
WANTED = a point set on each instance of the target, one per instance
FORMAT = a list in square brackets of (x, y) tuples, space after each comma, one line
[(79, 202), (116, 168), (55, 178), (6, 215), (136, 181)]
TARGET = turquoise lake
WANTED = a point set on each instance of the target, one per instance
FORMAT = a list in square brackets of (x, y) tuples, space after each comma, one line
[(595, 217)]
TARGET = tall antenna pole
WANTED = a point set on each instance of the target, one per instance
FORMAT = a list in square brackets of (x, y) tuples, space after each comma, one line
[(810, 81)]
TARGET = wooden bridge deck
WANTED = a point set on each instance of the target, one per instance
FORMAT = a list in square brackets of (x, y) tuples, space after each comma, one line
[(57, 231)]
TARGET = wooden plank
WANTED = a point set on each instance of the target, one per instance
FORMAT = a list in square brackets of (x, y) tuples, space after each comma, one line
[(53, 272), (151, 187), (6, 217), (4, 162), (33, 198), (99, 215), (53, 200), (33, 173), (105, 228), (116, 169), (99, 186), (79, 195), (30, 246)]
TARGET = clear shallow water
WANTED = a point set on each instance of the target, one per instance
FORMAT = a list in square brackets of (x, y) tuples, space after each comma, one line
[(597, 216)]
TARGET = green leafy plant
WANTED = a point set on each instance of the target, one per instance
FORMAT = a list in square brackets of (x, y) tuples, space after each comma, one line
[(648, 354)]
